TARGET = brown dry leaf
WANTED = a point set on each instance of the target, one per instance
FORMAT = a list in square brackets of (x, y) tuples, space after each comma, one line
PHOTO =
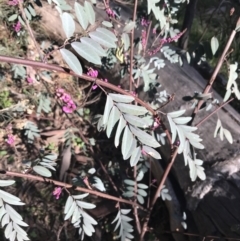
[(66, 161), (83, 159)]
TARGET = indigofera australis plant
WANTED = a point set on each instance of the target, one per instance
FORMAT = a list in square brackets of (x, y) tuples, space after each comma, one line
[(129, 121)]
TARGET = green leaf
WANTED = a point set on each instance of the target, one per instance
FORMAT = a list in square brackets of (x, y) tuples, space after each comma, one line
[(126, 41), (126, 142), (89, 12), (129, 182), (217, 128), (94, 45), (42, 171), (182, 120), (142, 186), (100, 38), (214, 45), (122, 123), (86, 205), (107, 24), (228, 135), (72, 61), (5, 183), (122, 98), (132, 109), (29, 16), (108, 107), (142, 192), (131, 149), (173, 129), (107, 33), (9, 198), (135, 156), (140, 199), (68, 204), (129, 27), (150, 151), (176, 114), (135, 121), (144, 137), (87, 52), (12, 17), (68, 24), (81, 15), (81, 196), (113, 118), (70, 211), (31, 10)]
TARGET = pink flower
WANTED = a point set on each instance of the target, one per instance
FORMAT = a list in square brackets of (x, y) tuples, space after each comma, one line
[(94, 87), (57, 192), (17, 27), (10, 139), (93, 73), (29, 80), (110, 12), (65, 97), (13, 2), (144, 22)]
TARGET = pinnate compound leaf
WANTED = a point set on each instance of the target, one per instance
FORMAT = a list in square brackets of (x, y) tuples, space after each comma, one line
[(144, 137), (122, 98), (150, 151), (94, 45), (113, 118), (81, 15), (5, 183), (136, 121), (214, 45), (103, 39), (89, 12), (9, 198), (121, 125), (108, 107), (42, 171), (72, 61), (132, 109), (87, 52), (68, 24)]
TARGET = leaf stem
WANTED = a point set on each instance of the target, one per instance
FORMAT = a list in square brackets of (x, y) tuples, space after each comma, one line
[(66, 185), (160, 186)]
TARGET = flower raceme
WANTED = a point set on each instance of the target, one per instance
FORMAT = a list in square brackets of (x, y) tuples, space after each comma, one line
[(69, 106)]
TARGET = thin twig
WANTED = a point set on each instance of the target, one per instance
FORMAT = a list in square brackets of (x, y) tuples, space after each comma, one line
[(160, 186), (63, 184), (132, 42), (60, 69), (148, 33), (214, 75), (29, 29), (207, 117), (135, 211)]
